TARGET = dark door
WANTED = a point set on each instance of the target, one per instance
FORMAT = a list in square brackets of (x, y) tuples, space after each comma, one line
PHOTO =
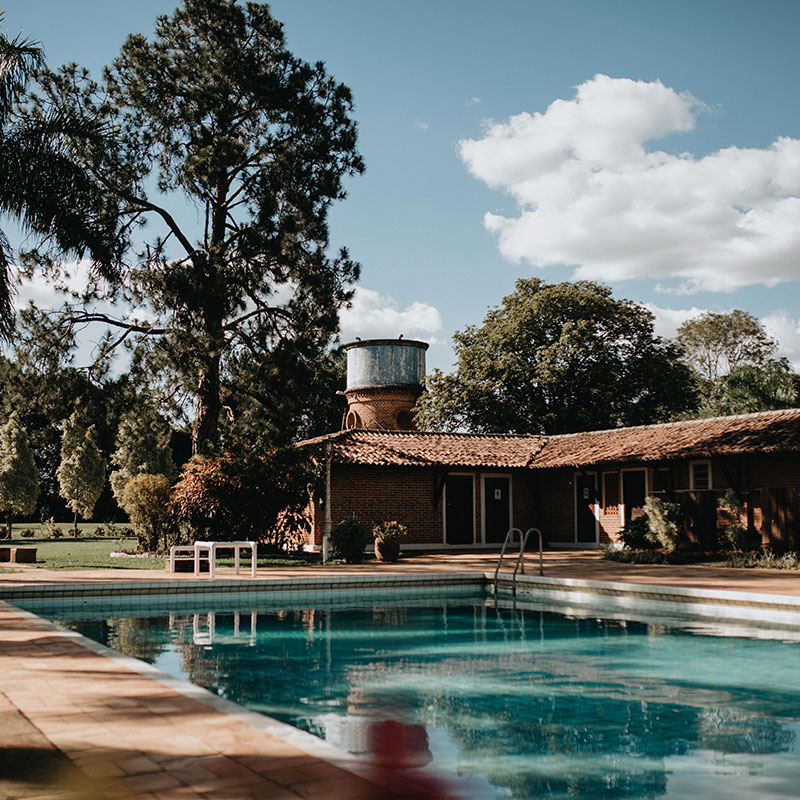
[(585, 499), (459, 510), (634, 490), (497, 511)]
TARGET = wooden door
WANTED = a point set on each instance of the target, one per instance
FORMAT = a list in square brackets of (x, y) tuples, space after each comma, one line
[(459, 509), (497, 508), (585, 503)]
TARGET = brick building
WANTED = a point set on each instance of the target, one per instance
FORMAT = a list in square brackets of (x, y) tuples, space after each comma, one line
[(465, 490)]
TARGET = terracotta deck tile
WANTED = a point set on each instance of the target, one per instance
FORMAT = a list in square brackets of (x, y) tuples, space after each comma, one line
[(102, 769), (349, 788), (179, 793), (222, 766), (137, 765), (150, 782), (266, 764), (230, 782)]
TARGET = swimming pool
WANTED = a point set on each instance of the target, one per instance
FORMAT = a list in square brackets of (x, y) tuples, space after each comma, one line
[(515, 700)]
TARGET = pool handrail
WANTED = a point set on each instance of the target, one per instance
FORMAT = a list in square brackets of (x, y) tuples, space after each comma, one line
[(520, 563)]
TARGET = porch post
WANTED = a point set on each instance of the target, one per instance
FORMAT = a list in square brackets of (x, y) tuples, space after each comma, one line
[(326, 530)]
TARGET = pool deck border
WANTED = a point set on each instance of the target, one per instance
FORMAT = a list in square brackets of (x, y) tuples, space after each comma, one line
[(718, 605), (146, 734)]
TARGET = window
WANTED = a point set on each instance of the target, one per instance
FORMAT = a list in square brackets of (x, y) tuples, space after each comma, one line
[(662, 480), (611, 492), (404, 420), (634, 491), (352, 420), (700, 475)]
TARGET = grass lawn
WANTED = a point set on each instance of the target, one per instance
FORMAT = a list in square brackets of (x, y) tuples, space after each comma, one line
[(85, 552), (93, 552)]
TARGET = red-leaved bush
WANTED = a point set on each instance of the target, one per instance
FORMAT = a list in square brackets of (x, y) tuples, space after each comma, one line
[(229, 498)]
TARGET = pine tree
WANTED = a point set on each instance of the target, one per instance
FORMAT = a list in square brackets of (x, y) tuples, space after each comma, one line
[(82, 471), (249, 147), (142, 448), (19, 479)]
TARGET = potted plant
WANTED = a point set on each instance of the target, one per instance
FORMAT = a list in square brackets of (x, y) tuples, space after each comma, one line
[(388, 536)]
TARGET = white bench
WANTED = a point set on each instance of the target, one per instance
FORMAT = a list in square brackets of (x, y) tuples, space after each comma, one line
[(211, 549)]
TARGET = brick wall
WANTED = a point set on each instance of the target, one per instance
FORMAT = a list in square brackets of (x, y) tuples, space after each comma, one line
[(540, 498), (412, 496)]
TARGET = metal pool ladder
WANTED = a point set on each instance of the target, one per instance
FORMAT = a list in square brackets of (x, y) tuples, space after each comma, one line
[(523, 541)]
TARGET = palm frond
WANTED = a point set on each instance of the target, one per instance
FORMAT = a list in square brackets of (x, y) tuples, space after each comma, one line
[(6, 307), (18, 58)]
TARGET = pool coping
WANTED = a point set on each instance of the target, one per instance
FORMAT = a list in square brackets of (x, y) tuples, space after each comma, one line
[(722, 605), (614, 596)]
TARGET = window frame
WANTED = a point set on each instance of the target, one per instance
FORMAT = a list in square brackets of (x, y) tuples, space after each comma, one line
[(692, 465)]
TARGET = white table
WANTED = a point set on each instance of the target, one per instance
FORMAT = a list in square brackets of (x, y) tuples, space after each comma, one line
[(211, 548)]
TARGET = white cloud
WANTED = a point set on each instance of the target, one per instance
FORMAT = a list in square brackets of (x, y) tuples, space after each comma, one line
[(421, 125), (592, 195), (786, 331), (473, 102), (668, 320), (77, 276), (375, 316)]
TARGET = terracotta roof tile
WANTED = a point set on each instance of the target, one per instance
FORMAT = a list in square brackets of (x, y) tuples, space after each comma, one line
[(415, 449), (767, 431)]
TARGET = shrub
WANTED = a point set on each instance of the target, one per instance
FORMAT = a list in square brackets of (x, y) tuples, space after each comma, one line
[(49, 530), (230, 498), (145, 500), (114, 530), (765, 560), (733, 535), (28, 533), (638, 556), (659, 527), (636, 534), (349, 540), (389, 530), (664, 521)]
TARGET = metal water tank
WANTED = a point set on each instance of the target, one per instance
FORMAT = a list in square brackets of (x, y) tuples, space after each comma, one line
[(384, 379), (385, 362)]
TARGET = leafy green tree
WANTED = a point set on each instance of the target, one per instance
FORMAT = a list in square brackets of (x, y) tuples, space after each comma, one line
[(715, 345), (248, 147), (82, 471), (748, 388), (142, 448), (146, 500), (19, 480), (45, 394), (41, 185), (556, 358)]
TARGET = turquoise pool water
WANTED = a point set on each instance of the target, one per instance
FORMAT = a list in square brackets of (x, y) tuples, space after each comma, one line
[(512, 702)]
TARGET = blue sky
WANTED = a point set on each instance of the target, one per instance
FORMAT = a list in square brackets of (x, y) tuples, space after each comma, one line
[(661, 178)]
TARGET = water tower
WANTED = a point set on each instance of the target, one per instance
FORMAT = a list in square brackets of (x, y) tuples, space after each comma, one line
[(384, 379)]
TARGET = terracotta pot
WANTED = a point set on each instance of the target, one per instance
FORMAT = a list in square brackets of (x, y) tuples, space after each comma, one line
[(387, 549)]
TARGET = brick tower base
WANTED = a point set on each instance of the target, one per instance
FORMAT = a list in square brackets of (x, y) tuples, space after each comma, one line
[(381, 408)]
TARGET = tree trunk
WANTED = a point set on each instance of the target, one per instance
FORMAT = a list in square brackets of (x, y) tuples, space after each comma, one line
[(75, 525), (205, 430)]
